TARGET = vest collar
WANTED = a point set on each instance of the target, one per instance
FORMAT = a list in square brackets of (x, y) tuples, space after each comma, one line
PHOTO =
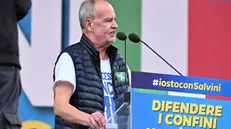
[(88, 45)]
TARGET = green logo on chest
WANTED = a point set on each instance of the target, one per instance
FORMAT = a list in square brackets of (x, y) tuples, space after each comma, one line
[(121, 77)]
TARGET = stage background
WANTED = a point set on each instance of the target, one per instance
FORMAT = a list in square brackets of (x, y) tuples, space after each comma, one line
[(193, 35)]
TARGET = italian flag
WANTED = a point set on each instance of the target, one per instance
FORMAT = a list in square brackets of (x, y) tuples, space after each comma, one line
[(193, 35)]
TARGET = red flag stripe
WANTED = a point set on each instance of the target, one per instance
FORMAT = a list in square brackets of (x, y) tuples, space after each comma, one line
[(209, 38), (218, 97)]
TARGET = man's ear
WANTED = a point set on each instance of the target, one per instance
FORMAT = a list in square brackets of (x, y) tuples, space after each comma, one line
[(88, 24)]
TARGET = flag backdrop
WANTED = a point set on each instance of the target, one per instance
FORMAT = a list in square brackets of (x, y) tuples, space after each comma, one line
[(193, 35)]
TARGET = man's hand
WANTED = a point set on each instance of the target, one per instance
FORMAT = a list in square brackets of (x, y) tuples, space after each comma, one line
[(97, 120)]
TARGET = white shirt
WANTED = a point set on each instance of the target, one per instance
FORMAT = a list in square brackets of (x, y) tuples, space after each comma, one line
[(108, 93)]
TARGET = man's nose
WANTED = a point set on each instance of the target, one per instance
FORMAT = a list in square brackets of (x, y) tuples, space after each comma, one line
[(115, 25)]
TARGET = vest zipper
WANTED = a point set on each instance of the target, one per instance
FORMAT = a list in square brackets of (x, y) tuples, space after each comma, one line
[(113, 78)]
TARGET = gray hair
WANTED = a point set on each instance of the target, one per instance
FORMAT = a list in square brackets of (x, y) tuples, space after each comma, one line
[(87, 10)]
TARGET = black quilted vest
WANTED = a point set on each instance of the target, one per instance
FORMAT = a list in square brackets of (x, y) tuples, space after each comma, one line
[(89, 95)]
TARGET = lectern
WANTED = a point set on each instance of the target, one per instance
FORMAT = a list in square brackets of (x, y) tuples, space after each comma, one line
[(162, 101)]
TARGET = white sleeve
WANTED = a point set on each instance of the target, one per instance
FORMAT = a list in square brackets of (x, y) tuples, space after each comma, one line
[(129, 75), (64, 70)]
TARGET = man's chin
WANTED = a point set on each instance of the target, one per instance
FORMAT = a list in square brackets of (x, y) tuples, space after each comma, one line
[(113, 40)]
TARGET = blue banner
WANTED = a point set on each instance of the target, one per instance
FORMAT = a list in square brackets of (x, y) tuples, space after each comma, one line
[(152, 111), (166, 101), (196, 85)]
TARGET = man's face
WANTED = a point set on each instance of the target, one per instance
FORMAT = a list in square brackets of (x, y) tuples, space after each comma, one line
[(104, 24)]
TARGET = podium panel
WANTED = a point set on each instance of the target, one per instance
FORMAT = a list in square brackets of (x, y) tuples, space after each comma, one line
[(160, 101)]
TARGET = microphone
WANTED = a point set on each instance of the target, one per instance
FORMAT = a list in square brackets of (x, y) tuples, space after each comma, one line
[(122, 36), (134, 38)]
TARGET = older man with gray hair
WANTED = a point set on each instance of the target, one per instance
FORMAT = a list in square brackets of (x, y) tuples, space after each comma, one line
[(86, 79)]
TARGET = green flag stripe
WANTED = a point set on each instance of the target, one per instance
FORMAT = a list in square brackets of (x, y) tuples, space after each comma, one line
[(128, 13), (152, 91)]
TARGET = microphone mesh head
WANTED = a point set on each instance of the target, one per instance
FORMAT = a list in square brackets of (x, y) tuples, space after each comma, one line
[(134, 38), (121, 36)]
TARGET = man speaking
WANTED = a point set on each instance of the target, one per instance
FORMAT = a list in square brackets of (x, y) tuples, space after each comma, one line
[(86, 73)]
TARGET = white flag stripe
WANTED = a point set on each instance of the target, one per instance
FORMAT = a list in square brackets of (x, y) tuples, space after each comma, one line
[(165, 29), (191, 95)]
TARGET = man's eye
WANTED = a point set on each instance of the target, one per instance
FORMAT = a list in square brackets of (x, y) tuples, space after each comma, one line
[(108, 20)]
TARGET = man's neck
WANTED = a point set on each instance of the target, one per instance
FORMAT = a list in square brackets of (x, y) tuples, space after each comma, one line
[(103, 55), (102, 50)]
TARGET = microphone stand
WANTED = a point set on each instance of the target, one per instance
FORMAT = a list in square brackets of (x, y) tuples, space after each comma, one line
[(125, 58), (160, 57)]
